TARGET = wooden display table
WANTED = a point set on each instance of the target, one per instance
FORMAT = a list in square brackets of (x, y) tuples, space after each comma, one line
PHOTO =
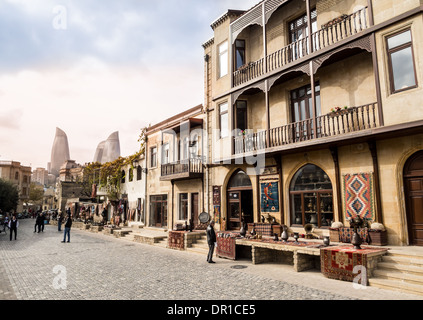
[(303, 255)]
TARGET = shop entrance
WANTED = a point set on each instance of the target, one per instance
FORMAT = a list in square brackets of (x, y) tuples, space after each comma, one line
[(240, 200), (158, 211), (194, 208), (413, 185)]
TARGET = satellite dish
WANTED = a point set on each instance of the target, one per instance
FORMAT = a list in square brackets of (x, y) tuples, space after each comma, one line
[(204, 217)]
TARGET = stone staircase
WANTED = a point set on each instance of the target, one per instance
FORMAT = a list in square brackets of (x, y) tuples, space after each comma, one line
[(200, 246), (145, 235), (400, 271)]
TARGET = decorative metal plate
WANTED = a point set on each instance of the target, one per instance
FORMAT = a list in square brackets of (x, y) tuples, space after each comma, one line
[(204, 217)]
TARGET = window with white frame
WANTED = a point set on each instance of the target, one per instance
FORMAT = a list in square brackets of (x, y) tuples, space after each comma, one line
[(224, 120), (402, 71), (223, 59)]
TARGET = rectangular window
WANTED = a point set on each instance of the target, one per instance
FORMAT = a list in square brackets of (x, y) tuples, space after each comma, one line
[(241, 115), (402, 71), (139, 173), (165, 153), (158, 210), (153, 157), (298, 31), (302, 109), (224, 120), (183, 206), (223, 59), (239, 53)]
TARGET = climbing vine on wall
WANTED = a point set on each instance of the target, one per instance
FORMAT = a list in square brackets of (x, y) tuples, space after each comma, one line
[(109, 175)]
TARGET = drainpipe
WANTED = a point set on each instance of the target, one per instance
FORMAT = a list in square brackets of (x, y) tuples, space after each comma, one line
[(205, 166), (145, 190)]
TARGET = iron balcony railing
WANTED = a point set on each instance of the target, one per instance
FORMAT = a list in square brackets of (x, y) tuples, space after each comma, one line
[(193, 165), (330, 33), (333, 124)]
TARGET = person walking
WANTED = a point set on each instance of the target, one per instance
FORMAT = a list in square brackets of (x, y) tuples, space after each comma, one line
[(59, 222), (104, 215), (211, 240), (42, 218), (13, 226), (37, 222), (68, 225)]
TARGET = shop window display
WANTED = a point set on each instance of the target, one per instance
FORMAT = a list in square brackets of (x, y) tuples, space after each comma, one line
[(311, 198)]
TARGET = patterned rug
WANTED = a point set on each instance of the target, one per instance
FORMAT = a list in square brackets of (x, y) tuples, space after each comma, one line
[(226, 246), (176, 240), (346, 234), (358, 196), (339, 262)]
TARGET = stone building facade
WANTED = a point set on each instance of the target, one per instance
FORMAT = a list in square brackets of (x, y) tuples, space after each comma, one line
[(175, 179), (20, 176), (314, 123)]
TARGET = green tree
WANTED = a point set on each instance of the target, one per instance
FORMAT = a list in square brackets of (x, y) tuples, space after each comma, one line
[(9, 196), (36, 193)]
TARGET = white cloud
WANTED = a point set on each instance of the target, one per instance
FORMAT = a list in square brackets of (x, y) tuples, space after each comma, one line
[(119, 66)]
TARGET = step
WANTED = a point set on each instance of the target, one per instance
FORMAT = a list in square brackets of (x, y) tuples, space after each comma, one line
[(200, 246), (403, 268), (398, 276), (201, 251), (403, 259), (162, 243), (397, 285)]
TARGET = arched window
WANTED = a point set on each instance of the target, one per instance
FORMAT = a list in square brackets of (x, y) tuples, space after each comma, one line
[(16, 175), (311, 197), (131, 174), (240, 179), (122, 175), (139, 173)]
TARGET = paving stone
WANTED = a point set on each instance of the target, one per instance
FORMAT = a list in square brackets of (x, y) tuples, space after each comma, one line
[(97, 266)]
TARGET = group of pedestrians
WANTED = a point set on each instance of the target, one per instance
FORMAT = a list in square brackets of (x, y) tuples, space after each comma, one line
[(13, 225)]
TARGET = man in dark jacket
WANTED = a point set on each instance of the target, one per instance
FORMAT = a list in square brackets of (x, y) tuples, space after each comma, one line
[(68, 225), (13, 226), (59, 222), (211, 240), (38, 221)]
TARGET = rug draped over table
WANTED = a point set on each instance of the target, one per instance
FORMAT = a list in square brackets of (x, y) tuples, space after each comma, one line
[(339, 262), (226, 247), (176, 240)]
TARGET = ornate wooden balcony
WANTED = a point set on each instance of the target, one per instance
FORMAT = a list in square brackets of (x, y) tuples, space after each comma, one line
[(329, 34), (334, 124), (184, 169)]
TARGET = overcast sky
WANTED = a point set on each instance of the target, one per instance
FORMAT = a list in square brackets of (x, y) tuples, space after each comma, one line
[(93, 67)]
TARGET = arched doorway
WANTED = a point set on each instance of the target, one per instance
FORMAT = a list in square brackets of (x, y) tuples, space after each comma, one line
[(240, 200), (413, 185), (311, 197)]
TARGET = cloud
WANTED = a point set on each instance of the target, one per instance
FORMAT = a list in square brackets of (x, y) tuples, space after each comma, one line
[(10, 119), (117, 66)]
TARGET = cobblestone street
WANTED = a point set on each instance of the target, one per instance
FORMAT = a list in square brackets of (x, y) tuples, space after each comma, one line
[(97, 266)]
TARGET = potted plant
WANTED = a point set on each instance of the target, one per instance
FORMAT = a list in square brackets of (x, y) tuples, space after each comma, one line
[(338, 111)]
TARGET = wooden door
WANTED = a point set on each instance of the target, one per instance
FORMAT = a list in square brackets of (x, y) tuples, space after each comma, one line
[(234, 210), (413, 175), (194, 208)]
